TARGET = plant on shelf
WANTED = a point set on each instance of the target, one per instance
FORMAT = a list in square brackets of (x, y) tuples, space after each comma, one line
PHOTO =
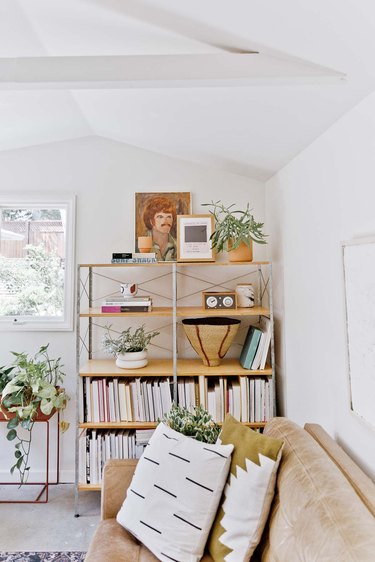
[(235, 230), (197, 424), (30, 389), (130, 347)]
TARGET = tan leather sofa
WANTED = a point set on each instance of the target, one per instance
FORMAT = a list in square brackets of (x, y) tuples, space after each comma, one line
[(323, 509)]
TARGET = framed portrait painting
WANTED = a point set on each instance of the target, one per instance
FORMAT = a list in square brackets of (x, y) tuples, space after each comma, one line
[(156, 218), (193, 238)]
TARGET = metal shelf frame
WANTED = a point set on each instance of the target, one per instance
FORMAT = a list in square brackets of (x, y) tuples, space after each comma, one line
[(86, 273)]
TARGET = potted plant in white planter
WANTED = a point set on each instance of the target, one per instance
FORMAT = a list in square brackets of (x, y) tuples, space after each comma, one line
[(130, 347), (235, 231), (30, 390), (197, 424)]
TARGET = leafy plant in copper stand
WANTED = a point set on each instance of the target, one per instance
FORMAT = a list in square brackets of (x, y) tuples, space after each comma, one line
[(30, 388)]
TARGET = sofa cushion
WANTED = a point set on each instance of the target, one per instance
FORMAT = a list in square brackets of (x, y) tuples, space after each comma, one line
[(112, 543), (248, 493), (173, 497), (315, 514)]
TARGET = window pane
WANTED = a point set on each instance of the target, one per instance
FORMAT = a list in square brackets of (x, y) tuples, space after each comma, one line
[(32, 262)]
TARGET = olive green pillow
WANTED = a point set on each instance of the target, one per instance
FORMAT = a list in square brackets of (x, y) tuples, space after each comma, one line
[(248, 493)]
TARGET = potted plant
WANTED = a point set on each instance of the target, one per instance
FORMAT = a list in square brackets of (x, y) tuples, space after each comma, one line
[(197, 424), (235, 231), (30, 390), (130, 347)]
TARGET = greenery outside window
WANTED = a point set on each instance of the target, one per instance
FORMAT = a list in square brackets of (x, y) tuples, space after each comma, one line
[(36, 263)]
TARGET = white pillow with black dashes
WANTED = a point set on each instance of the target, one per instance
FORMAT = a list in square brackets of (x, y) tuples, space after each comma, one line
[(174, 494)]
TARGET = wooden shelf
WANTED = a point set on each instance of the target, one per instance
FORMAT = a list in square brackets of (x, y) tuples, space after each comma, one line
[(107, 367), (223, 263), (164, 368), (179, 264), (89, 487), (117, 425), (158, 264), (156, 311), (182, 311), (199, 311), (227, 367)]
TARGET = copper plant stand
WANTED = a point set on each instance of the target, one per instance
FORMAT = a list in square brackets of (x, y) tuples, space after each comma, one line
[(42, 497)]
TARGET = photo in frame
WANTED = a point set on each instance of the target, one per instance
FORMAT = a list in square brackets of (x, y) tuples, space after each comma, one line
[(193, 238), (156, 222)]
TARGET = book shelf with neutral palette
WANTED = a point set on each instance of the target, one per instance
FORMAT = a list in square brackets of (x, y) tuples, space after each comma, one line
[(173, 363)]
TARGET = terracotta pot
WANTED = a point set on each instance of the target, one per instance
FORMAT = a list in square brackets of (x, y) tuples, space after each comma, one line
[(39, 416), (144, 244), (242, 253), (132, 360), (211, 337)]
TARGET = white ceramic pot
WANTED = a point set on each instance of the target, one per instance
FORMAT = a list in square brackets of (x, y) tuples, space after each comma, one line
[(132, 360)]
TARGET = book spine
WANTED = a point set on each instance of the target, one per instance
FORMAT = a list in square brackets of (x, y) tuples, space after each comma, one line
[(117, 309)]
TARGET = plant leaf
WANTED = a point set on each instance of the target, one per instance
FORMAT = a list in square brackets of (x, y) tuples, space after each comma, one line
[(12, 434), (13, 422)]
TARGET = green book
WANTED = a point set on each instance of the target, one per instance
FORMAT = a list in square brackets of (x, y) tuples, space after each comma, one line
[(250, 347)]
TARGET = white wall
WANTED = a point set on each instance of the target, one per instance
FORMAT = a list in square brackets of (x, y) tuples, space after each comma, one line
[(324, 196), (104, 175)]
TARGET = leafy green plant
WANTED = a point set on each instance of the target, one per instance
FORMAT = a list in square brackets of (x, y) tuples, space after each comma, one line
[(34, 285), (128, 340), (233, 227), (28, 386), (197, 424)]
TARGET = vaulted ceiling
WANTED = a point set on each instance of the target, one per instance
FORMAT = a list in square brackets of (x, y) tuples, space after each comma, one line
[(243, 85)]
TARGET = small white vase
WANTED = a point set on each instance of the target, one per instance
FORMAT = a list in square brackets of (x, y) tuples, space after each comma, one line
[(132, 360)]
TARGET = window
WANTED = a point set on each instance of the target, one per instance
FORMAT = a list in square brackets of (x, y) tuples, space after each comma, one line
[(36, 263)]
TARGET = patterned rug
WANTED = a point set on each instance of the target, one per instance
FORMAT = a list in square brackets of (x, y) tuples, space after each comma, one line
[(42, 556)]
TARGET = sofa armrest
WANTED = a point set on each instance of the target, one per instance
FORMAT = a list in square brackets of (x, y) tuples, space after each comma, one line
[(361, 483), (117, 476)]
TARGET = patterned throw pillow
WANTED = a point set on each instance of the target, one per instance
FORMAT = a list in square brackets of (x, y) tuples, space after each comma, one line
[(174, 494), (248, 493)]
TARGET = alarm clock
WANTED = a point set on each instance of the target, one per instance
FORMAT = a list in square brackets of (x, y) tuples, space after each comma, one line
[(223, 301)]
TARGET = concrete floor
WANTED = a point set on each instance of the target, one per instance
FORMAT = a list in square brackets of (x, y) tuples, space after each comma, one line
[(50, 526)]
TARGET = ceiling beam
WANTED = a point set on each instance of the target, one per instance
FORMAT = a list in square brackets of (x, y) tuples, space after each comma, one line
[(140, 71)]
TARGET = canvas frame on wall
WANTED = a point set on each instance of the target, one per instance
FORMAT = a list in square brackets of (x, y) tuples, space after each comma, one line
[(193, 238), (164, 238), (358, 258)]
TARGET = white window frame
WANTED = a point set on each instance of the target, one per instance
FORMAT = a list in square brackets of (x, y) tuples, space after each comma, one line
[(47, 201)]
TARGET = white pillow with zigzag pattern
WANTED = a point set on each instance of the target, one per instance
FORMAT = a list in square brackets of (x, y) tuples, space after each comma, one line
[(174, 494)]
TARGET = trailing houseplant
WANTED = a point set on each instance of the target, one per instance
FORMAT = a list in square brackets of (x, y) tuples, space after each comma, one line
[(234, 228), (197, 424), (30, 388), (129, 347)]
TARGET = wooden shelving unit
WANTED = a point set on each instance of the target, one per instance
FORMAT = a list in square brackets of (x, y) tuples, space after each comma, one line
[(173, 367)]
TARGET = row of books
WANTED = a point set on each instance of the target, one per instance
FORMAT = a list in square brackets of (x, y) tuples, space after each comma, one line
[(120, 303), (124, 400), (98, 446), (248, 399), (256, 346)]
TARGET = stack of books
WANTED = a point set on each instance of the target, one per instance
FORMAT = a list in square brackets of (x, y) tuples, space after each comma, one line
[(134, 257), (257, 342), (127, 304)]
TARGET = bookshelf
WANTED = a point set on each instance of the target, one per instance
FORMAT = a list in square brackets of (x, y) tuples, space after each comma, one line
[(177, 295)]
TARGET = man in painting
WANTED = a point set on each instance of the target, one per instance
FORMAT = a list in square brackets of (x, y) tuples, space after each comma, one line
[(159, 216)]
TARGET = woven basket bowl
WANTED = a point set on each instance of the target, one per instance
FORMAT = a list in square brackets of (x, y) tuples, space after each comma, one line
[(211, 337)]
